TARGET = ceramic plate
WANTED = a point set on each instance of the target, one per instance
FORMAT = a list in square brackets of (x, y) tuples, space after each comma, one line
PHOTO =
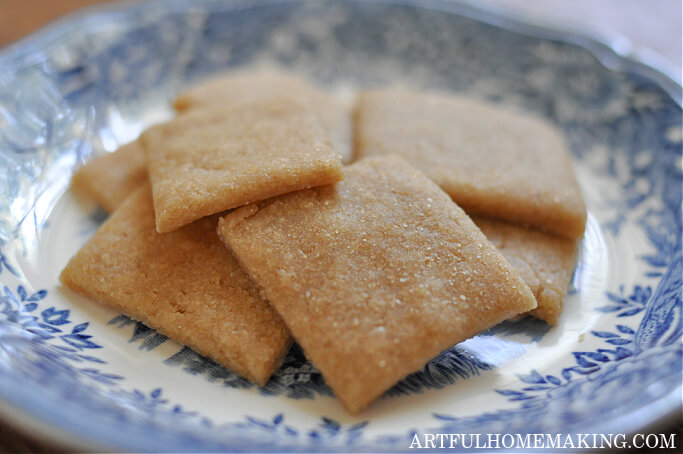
[(84, 373)]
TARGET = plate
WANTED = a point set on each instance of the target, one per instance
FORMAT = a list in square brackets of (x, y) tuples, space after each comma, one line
[(85, 374)]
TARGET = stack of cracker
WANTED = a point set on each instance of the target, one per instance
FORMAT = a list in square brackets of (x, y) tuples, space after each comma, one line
[(235, 227), (509, 170)]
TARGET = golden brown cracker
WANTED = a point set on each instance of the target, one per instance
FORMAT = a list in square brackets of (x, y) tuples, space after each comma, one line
[(545, 262), (184, 284), (109, 179), (493, 162), (374, 275), (213, 159), (262, 85)]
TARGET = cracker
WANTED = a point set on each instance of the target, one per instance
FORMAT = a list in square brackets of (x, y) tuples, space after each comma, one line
[(109, 179), (493, 162), (184, 284), (255, 86), (213, 159), (545, 262), (375, 275)]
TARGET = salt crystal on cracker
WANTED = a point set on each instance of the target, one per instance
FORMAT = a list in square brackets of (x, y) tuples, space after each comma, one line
[(544, 261), (493, 162), (213, 159), (253, 86), (109, 179), (184, 284), (374, 275)]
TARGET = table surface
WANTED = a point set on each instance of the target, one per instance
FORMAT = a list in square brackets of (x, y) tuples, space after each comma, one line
[(654, 25)]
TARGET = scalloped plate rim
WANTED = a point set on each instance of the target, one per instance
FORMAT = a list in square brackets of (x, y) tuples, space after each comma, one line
[(604, 44)]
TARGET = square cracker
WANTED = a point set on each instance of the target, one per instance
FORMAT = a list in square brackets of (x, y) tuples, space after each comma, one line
[(261, 85), (213, 159), (545, 262), (184, 284), (109, 179), (375, 275), (493, 162)]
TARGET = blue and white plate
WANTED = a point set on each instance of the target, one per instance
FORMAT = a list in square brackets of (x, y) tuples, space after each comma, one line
[(84, 374)]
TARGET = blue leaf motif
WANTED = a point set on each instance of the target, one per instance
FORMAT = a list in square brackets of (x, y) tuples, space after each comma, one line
[(5, 263), (595, 356), (619, 341), (616, 298), (39, 295), (523, 398), (259, 423), (91, 359), (156, 393), (445, 417), (101, 377), (536, 388), (607, 309), (621, 353), (653, 260), (278, 419), (554, 380), (49, 328), (21, 291), (533, 378), (581, 361), (640, 294), (30, 307), (330, 424), (79, 328), (631, 312), (587, 371), (80, 341), (508, 392), (567, 372), (625, 329), (604, 334), (55, 317)]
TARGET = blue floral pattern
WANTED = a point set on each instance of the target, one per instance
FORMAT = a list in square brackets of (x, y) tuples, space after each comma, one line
[(54, 113), (627, 306), (298, 378), (49, 324), (18, 307), (4, 264)]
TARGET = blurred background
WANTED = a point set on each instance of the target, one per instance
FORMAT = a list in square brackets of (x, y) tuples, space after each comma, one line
[(653, 28)]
